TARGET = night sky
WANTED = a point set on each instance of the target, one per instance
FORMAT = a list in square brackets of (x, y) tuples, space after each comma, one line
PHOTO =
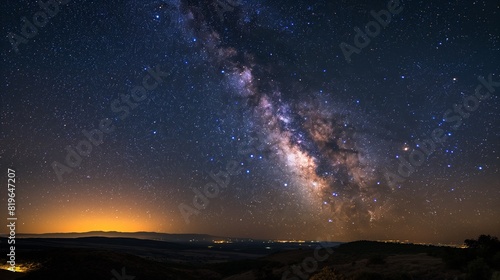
[(262, 119)]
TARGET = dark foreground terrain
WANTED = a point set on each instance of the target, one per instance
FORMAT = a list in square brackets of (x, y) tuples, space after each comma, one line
[(128, 258)]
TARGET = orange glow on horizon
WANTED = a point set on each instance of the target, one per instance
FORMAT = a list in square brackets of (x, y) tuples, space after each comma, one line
[(100, 223), (92, 223), (94, 217)]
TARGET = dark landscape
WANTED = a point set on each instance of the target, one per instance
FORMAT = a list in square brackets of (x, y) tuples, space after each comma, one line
[(203, 258)]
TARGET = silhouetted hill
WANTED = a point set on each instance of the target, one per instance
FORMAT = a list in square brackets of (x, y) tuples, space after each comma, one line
[(139, 235)]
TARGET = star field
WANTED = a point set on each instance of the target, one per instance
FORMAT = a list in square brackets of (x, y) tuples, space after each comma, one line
[(316, 140)]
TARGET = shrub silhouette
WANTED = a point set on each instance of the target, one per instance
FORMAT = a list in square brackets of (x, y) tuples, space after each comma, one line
[(328, 274), (478, 269)]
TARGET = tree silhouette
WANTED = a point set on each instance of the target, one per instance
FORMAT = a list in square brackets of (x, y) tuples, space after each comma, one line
[(485, 246), (485, 252)]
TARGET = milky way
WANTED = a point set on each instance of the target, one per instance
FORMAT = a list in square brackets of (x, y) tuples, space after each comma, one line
[(310, 139)]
